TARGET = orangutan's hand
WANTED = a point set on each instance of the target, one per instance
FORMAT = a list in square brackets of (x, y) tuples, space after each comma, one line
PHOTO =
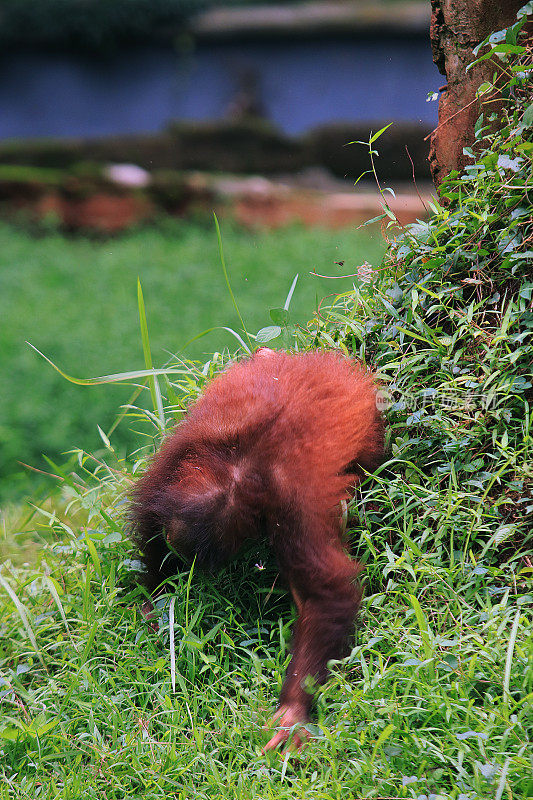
[(285, 718)]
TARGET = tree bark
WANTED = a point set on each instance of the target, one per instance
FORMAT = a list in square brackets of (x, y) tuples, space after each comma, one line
[(457, 26)]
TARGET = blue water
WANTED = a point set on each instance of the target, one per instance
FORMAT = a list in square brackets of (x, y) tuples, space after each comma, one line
[(301, 84)]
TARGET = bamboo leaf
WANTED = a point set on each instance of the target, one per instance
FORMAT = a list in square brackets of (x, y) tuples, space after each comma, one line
[(378, 134), (425, 632), (383, 736)]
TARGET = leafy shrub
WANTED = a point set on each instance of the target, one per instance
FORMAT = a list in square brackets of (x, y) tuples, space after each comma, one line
[(448, 323), (97, 24), (241, 146), (91, 24)]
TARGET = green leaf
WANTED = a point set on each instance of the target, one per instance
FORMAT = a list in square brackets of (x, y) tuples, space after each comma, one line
[(362, 175), (23, 614), (104, 438), (383, 736), (508, 48), (94, 555), (413, 334), (267, 334), (172, 644), (279, 315), (378, 134), (483, 89), (374, 219), (527, 119), (10, 733), (389, 212), (204, 333), (509, 661), (425, 632), (90, 639), (56, 590)]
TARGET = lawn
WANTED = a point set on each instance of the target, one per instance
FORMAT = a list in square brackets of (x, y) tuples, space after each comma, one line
[(75, 299), (433, 701)]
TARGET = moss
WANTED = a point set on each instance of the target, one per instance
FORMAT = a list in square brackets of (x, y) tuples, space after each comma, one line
[(22, 173)]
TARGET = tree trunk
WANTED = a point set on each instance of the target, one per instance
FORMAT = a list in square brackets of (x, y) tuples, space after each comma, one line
[(457, 26)]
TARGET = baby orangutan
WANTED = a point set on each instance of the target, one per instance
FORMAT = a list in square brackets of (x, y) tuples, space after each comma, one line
[(270, 450)]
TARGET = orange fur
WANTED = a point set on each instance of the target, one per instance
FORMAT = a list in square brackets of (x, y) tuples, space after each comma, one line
[(271, 449)]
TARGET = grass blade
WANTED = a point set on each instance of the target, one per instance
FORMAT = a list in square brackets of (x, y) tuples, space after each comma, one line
[(172, 644), (90, 639), (155, 391), (425, 633), (122, 377), (291, 292), (94, 555), (57, 600), (508, 663), (226, 277), (24, 619), (501, 783), (221, 328), (381, 738)]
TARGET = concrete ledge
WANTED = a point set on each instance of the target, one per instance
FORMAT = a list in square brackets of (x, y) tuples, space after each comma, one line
[(256, 202), (112, 201), (313, 19)]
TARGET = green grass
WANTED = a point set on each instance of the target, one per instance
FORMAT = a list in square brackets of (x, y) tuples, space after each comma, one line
[(76, 300), (433, 700)]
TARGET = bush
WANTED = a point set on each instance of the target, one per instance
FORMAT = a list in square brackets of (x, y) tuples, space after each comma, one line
[(448, 323), (245, 146), (97, 24), (90, 24)]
